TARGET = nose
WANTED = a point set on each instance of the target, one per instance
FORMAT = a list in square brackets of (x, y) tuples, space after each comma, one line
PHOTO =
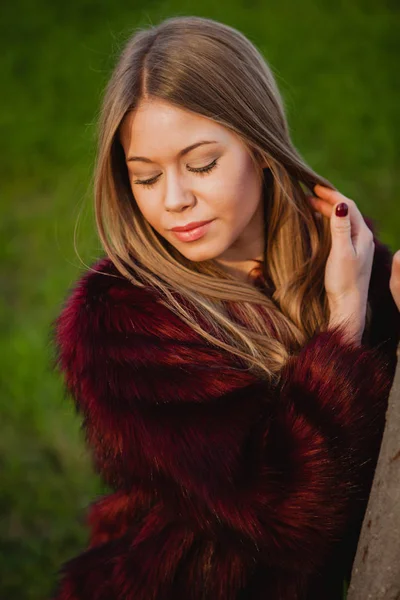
[(178, 194)]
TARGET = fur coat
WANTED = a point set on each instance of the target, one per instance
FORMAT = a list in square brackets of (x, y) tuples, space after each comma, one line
[(221, 487)]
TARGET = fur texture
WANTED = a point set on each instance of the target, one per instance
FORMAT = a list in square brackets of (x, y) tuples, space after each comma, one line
[(222, 488)]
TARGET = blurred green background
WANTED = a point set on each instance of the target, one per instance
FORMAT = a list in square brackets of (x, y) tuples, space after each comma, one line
[(336, 65)]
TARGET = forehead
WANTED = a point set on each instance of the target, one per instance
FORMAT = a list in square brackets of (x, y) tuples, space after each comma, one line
[(156, 124)]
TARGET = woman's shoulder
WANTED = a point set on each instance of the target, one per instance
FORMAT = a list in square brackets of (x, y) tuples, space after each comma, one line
[(102, 283), (111, 334), (102, 302)]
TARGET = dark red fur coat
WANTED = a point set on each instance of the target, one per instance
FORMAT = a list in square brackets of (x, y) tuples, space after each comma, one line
[(222, 487)]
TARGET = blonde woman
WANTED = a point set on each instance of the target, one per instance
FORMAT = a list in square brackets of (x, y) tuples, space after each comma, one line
[(232, 352)]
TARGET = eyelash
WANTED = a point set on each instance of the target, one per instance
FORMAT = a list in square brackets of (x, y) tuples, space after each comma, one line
[(201, 171)]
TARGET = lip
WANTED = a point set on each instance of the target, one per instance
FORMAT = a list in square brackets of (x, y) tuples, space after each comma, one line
[(193, 234), (192, 225)]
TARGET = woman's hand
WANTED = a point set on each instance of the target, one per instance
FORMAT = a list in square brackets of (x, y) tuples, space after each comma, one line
[(349, 265), (394, 282)]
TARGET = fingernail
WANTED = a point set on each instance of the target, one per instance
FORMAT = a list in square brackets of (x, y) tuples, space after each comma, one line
[(342, 209)]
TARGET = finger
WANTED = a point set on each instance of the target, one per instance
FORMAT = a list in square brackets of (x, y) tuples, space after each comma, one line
[(360, 232), (359, 241), (323, 207), (394, 283), (341, 229)]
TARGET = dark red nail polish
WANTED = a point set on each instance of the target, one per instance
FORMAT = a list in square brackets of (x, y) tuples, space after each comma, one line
[(342, 209)]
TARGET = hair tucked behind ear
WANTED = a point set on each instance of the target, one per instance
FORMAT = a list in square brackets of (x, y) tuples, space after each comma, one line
[(213, 70)]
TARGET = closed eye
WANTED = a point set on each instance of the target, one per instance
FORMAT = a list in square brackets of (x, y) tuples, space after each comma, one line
[(200, 171)]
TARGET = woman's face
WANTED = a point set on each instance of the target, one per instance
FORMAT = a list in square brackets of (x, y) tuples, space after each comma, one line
[(156, 138)]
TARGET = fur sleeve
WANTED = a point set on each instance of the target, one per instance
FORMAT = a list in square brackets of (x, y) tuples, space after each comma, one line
[(349, 384), (346, 389)]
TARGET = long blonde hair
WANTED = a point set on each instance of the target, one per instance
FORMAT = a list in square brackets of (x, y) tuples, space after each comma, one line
[(212, 69)]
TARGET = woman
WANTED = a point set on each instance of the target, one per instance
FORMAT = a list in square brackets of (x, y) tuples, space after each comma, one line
[(233, 378)]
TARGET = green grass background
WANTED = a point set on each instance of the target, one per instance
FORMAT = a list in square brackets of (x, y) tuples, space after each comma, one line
[(336, 65)]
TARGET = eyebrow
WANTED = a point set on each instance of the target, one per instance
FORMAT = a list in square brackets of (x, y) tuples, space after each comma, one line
[(180, 154)]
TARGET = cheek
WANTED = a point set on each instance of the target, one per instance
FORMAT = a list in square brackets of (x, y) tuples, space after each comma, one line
[(239, 195), (149, 211)]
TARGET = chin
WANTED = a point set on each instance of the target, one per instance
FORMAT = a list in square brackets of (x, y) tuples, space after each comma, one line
[(199, 254)]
